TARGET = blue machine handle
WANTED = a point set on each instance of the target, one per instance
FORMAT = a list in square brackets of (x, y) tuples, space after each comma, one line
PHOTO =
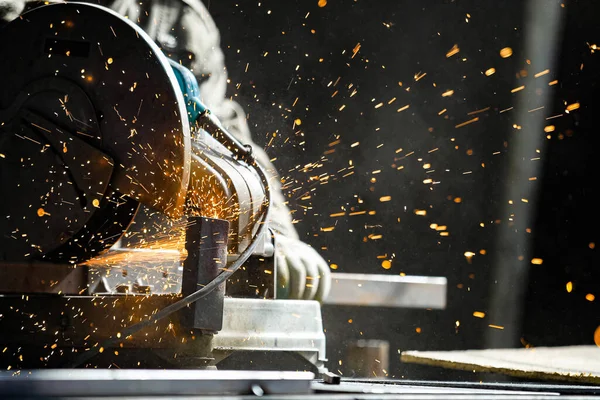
[(191, 92)]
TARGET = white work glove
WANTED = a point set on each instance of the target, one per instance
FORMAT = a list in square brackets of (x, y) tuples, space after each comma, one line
[(301, 271)]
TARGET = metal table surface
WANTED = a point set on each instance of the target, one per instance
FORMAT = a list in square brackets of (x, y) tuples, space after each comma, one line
[(206, 384)]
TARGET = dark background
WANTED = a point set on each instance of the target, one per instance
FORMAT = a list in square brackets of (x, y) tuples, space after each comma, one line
[(293, 60)]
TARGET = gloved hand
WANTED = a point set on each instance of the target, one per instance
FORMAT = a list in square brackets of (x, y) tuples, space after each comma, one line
[(301, 271)]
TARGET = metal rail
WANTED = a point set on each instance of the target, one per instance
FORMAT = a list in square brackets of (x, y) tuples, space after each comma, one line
[(387, 291)]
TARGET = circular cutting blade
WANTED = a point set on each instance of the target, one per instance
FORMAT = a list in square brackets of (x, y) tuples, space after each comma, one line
[(91, 122)]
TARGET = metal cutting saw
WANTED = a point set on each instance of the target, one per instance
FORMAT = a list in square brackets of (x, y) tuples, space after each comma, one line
[(133, 225)]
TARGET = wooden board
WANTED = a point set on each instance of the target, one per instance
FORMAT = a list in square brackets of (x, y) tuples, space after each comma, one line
[(571, 363)]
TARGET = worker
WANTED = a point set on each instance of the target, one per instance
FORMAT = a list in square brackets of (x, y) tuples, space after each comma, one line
[(186, 33)]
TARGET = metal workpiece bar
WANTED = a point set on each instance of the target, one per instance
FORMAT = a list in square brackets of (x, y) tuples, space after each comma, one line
[(40, 277), (387, 291), (115, 382)]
